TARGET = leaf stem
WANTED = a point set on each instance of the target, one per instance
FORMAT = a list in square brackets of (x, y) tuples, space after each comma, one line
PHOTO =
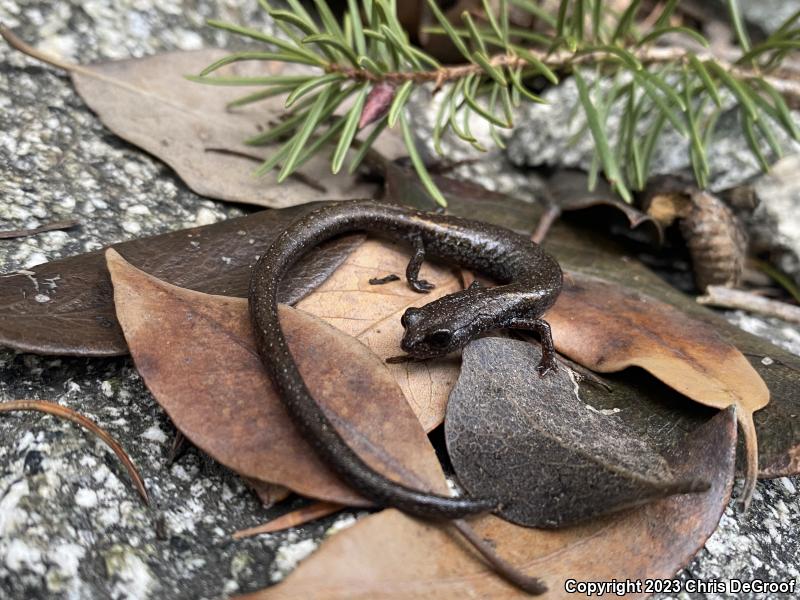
[(527, 583)]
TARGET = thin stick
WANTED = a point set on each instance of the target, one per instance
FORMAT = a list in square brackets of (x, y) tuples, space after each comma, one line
[(717, 295), (745, 419), (295, 518), (531, 585), (18, 233), (785, 82), (545, 223), (62, 412)]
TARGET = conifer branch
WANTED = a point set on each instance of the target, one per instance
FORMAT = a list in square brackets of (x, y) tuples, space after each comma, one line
[(367, 55)]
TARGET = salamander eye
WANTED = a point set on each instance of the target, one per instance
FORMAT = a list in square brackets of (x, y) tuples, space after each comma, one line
[(439, 339), (409, 317)]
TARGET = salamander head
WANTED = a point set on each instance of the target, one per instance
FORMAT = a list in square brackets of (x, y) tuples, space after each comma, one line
[(442, 326)]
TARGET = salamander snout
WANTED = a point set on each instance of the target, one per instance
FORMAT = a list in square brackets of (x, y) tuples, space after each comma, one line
[(428, 334)]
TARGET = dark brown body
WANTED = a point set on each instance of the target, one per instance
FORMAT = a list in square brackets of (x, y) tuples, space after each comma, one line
[(531, 283)]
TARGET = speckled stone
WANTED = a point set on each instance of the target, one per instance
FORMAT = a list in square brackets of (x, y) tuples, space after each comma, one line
[(71, 525)]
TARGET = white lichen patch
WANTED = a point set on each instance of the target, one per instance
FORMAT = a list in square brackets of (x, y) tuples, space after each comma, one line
[(289, 555), (154, 433), (21, 555), (86, 498), (341, 523), (132, 578)]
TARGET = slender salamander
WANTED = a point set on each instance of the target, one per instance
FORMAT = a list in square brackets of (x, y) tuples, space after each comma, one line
[(530, 283)]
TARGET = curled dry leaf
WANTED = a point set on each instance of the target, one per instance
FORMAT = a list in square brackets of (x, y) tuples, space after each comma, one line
[(607, 328), (533, 443), (63, 412), (197, 355), (269, 493), (570, 191), (389, 555), (371, 314), (66, 307)]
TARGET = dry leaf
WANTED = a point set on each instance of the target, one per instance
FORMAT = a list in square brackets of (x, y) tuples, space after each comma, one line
[(607, 328), (390, 555), (295, 518), (67, 306), (531, 442), (269, 493), (371, 314), (197, 355), (149, 103)]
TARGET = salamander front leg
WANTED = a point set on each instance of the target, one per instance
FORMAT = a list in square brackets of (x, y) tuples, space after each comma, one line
[(414, 265), (542, 329)]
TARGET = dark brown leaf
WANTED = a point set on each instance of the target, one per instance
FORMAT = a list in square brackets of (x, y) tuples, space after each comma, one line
[(532, 442), (607, 328), (197, 355), (66, 306), (389, 555)]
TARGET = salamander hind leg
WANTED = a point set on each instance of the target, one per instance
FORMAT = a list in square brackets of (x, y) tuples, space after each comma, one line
[(414, 265), (542, 329)]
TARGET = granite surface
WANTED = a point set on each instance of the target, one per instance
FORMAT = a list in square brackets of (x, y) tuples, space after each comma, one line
[(71, 525)]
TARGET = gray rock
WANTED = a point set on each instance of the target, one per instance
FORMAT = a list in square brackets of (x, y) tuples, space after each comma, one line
[(489, 168), (71, 525), (761, 16), (550, 135), (774, 225)]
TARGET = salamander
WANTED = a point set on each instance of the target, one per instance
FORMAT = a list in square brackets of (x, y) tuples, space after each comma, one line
[(529, 283)]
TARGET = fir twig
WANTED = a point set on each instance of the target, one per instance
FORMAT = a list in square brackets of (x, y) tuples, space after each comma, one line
[(367, 51)]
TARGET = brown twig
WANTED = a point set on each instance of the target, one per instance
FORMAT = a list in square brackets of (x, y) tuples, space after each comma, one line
[(723, 297), (532, 585), (549, 216), (18, 233), (179, 446), (62, 412), (785, 82), (295, 518)]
